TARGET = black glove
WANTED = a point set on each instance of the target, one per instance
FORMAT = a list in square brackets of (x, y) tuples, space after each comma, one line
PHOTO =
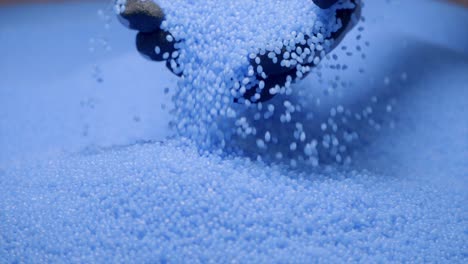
[(153, 43)]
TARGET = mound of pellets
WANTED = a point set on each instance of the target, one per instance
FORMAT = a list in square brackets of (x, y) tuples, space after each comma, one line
[(159, 203)]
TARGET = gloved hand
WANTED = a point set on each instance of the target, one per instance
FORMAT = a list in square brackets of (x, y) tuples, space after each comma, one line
[(158, 45)]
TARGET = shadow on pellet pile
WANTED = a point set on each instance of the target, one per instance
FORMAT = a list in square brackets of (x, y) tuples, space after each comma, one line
[(332, 133)]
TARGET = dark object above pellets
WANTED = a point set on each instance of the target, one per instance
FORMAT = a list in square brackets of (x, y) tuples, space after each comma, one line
[(325, 3), (158, 45)]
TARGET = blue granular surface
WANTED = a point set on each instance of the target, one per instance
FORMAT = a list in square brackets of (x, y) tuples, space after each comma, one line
[(165, 202)]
